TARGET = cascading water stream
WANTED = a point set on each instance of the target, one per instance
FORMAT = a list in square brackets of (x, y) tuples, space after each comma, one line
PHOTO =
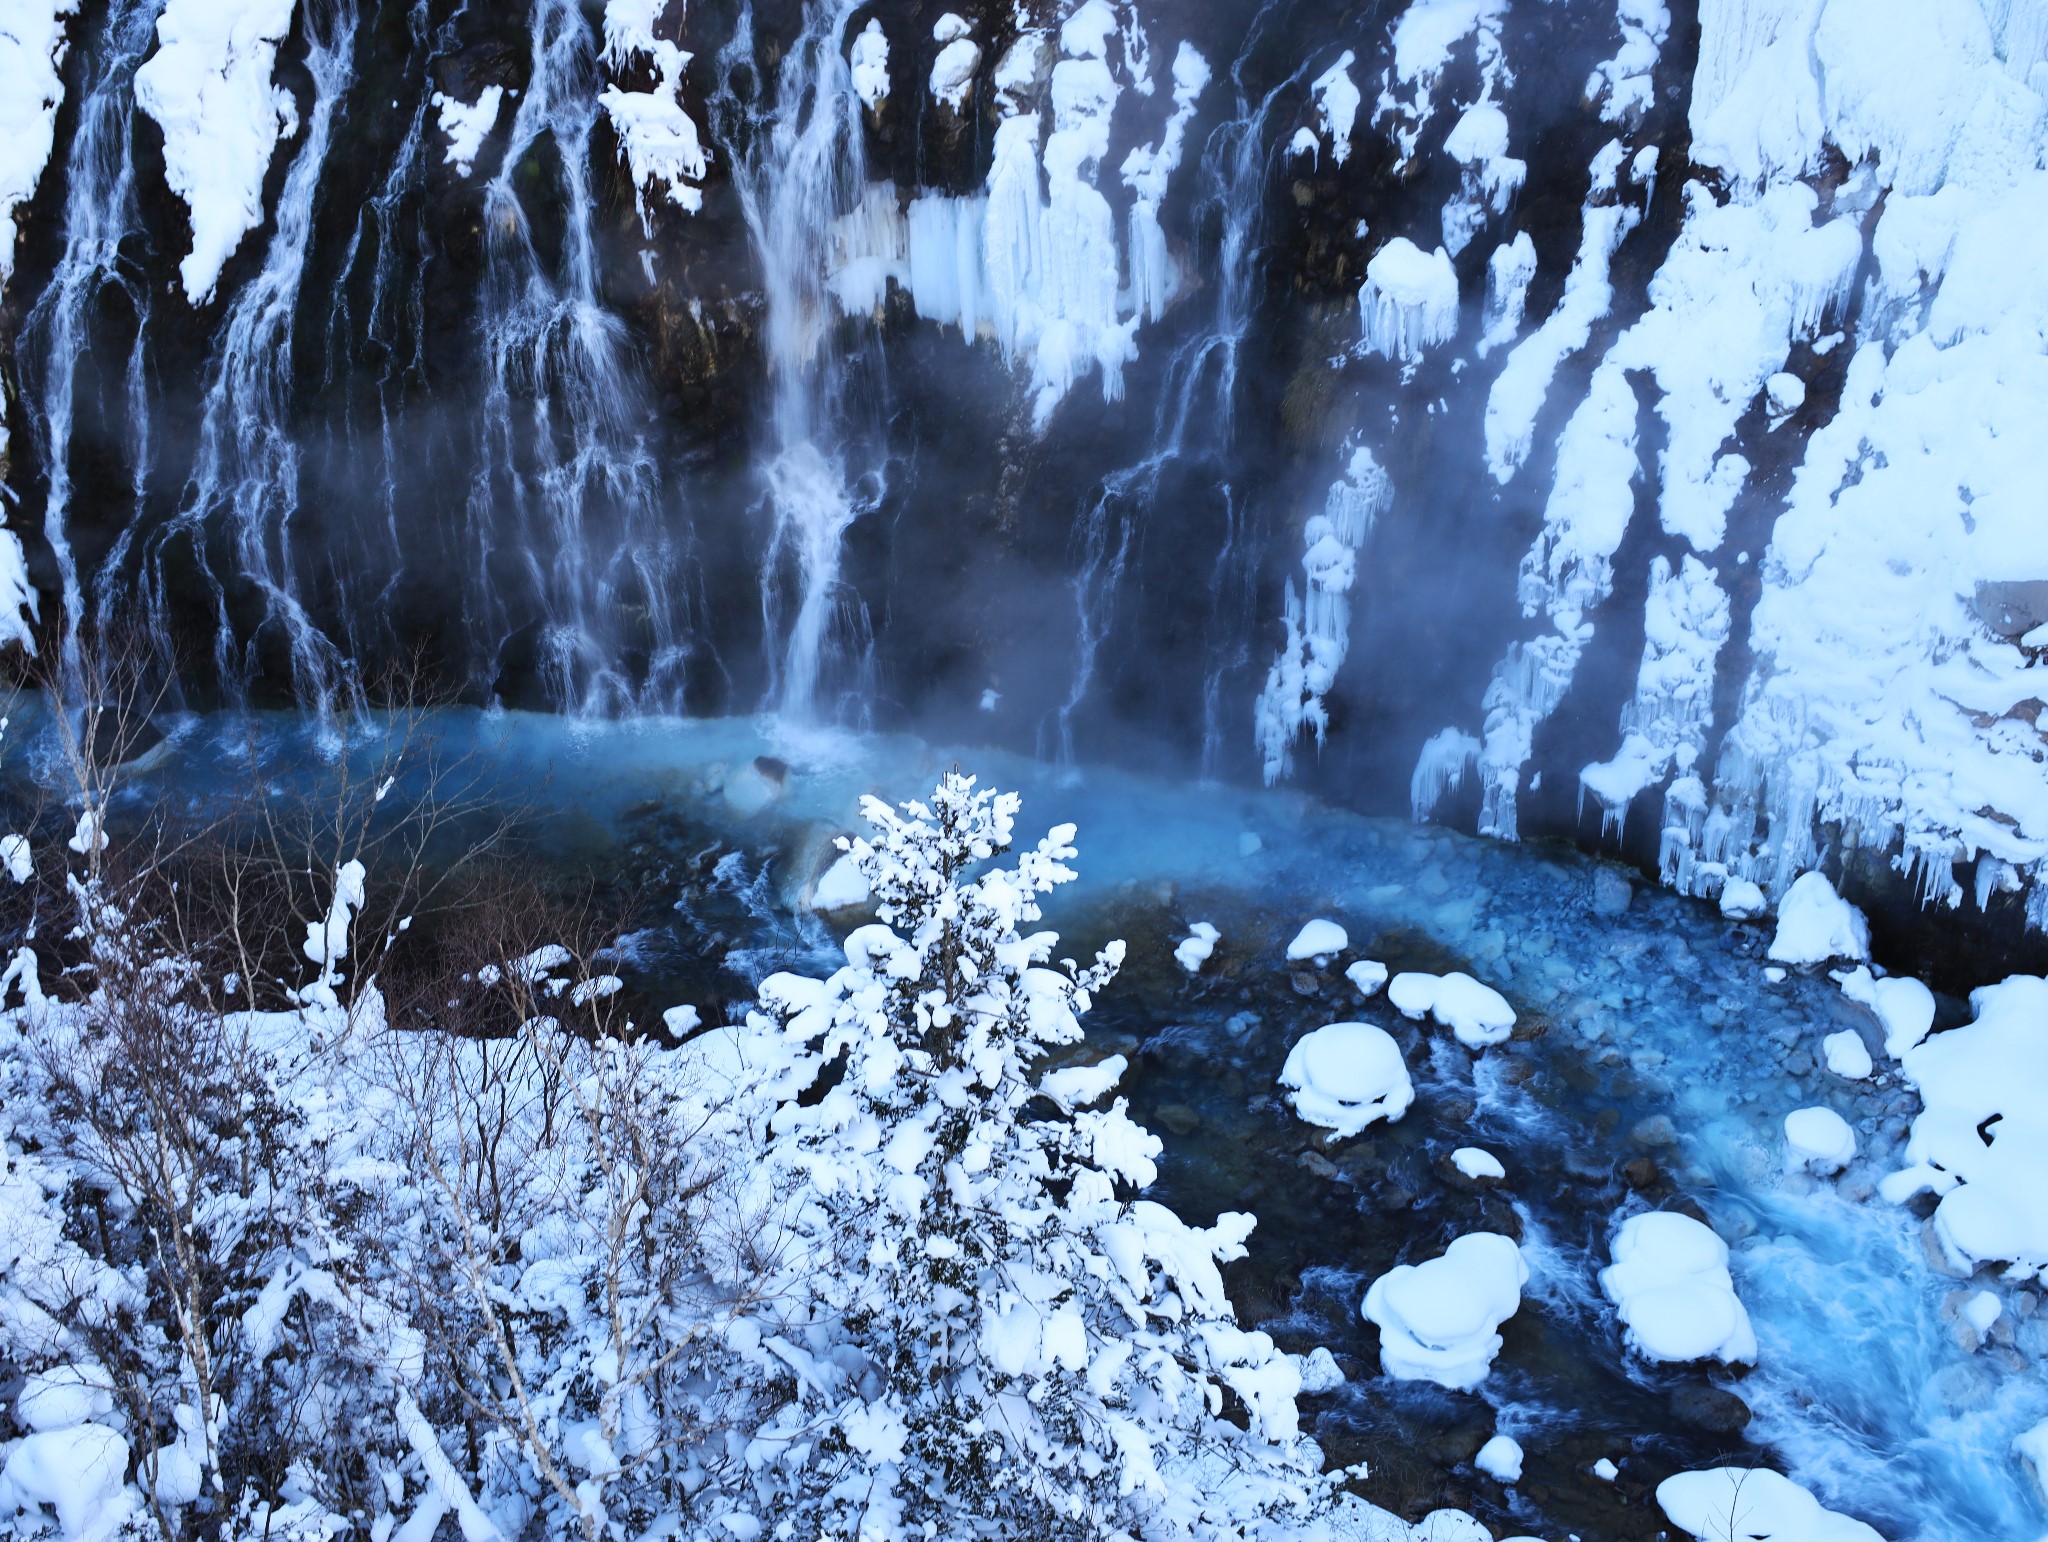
[(99, 213), (556, 442), (798, 163), (1200, 394), (244, 482)]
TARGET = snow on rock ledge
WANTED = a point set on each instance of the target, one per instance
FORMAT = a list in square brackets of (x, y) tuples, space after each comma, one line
[(1981, 1139), (32, 46), (1438, 1320), (1753, 1504), (1672, 1292), (208, 86), (1346, 1076), (656, 136)]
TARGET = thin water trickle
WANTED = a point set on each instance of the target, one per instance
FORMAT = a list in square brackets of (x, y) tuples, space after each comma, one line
[(798, 163), (1195, 422), (243, 490), (99, 213)]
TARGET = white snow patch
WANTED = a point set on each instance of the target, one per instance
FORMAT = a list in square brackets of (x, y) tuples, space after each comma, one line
[(657, 136), (959, 57), (466, 124), (840, 886), (1367, 976), (1337, 100), (1409, 302), (1477, 1014), (1902, 1004), (870, 63), (32, 46)]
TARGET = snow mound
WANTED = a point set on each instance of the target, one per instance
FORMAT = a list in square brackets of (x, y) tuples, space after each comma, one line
[(1476, 1162), (1981, 1138), (1409, 302), (1194, 949), (1753, 1504), (959, 57), (1345, 1076), (1500, 1459), (1815, 924), (1672, 1292), (1847, 1055), (1318, 940), (1438, 1320), (870, 62), (1478, 1014), (1368, 975), (1819, 1139), (77, 1471), (1741, 899), (1319, 1371)]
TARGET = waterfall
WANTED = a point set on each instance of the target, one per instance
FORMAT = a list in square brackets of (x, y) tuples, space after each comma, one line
[(1196, 419), (558, 445), (99, 213), (798, 163), (243, 490)]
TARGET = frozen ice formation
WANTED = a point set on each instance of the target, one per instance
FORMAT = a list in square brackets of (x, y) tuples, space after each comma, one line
[(1980, 1141), (1319, 939), (208, 86), (1345, 1076), (1819, 1139), (1337, 100), (658, 138), (1478, 1014), (1409, 302), (1672, 1292), (1439, 1320), (869, 62), (1318, 618), (1753, 1504), (1816, 925)]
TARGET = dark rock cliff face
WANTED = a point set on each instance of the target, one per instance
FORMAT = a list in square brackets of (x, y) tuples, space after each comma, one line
[(474, 493)]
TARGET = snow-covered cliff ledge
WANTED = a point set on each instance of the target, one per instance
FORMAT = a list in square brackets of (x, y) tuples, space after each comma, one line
[(209, 88), (32, 45)]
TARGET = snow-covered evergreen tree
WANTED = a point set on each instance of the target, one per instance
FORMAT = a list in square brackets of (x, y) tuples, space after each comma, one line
[(979, 1330)]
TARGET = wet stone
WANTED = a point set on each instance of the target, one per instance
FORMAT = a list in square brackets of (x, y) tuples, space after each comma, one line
[(1704, 1407), (1178, 1117), (1641, 1174), (1612, 893), (1655, 1132), (1305, 983)]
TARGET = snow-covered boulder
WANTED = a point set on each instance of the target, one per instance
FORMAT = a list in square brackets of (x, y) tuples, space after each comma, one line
[(1847, 1055), (1478, 1014), (1815, 925), (1345, 1076), (840, 886), (1367, 975), (1902, 1004), (77, 1471), (1439, 1320), (1319, 940), (1475, 1162), (1672, 1292), (1819, 1139), (1500, 1459), (1193, 950), (1741, 899), (1753, 1504), (1980, 1140)]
